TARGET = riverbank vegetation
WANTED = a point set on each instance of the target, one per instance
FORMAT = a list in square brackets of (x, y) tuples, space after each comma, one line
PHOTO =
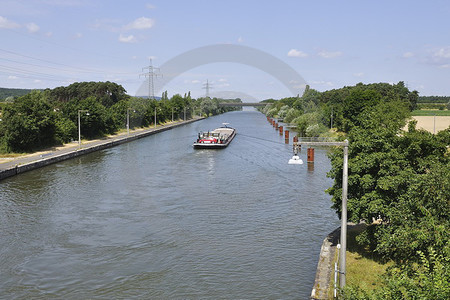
[(363, 265), (46, 118), (400, 179)]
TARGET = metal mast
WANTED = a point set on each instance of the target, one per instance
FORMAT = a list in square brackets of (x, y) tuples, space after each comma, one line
[(207, 86), (150, 75)]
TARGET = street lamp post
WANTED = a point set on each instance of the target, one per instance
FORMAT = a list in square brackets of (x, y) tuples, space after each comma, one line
[(128, 120), (331, 118), (344, 217), (343, 237), (79, 125)]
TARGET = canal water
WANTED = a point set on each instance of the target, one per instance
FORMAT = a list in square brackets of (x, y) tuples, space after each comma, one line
[(156, 219)]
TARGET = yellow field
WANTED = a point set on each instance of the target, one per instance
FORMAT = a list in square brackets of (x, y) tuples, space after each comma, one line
[(432, 124)]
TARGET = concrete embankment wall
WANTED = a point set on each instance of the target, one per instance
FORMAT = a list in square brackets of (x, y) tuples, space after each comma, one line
[(325, 267), (45, 161)]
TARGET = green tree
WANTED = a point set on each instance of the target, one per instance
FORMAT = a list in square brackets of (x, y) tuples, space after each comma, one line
[(377, 170), (355, 103), (306, 120), (28, 124), (420, 218), (99, 122), (401, 178), (66, 130), (292, 114), (107, 93)]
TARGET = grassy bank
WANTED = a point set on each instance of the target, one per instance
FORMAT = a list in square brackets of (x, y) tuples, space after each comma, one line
[(363, 268)]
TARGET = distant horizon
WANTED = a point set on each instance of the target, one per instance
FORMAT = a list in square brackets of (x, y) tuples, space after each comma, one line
[(159, 97)]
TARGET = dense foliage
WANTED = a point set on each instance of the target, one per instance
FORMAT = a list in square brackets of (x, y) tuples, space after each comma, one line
[(398, 178), (46, 118), (29, 123), (315, 112)]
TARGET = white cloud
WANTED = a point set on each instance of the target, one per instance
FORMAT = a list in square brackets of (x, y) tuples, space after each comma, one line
[(127, 39), (32, 27), (13, 77), (140, 23), (296, 53), (5, 23), (408, 54), (439, 57), (150, 6), (240, 39), (195, 81), (328, 54), (360, 74), (78, 35), (443, 52), (222, 80)]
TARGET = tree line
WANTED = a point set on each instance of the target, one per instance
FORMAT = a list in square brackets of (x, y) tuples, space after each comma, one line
[(434, 99), (315, 112), (399, 178), (7, 95), (49, 117)]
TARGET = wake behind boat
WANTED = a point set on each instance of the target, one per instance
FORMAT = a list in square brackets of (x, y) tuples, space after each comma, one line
[(218, 138)]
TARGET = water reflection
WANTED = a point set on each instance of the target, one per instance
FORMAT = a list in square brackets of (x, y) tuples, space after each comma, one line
[(157, 219)]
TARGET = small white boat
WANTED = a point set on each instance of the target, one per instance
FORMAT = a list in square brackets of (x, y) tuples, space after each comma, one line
[(218, 138)]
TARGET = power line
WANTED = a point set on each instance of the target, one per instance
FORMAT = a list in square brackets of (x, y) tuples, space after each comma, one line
[(77, 69), (29, 72), (25, 66)]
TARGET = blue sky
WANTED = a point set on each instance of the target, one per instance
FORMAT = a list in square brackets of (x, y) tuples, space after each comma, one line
[(331, 44)]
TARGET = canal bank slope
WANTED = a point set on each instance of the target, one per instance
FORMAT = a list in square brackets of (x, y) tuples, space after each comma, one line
[(17, 165), (325, 267), (324, 282)]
